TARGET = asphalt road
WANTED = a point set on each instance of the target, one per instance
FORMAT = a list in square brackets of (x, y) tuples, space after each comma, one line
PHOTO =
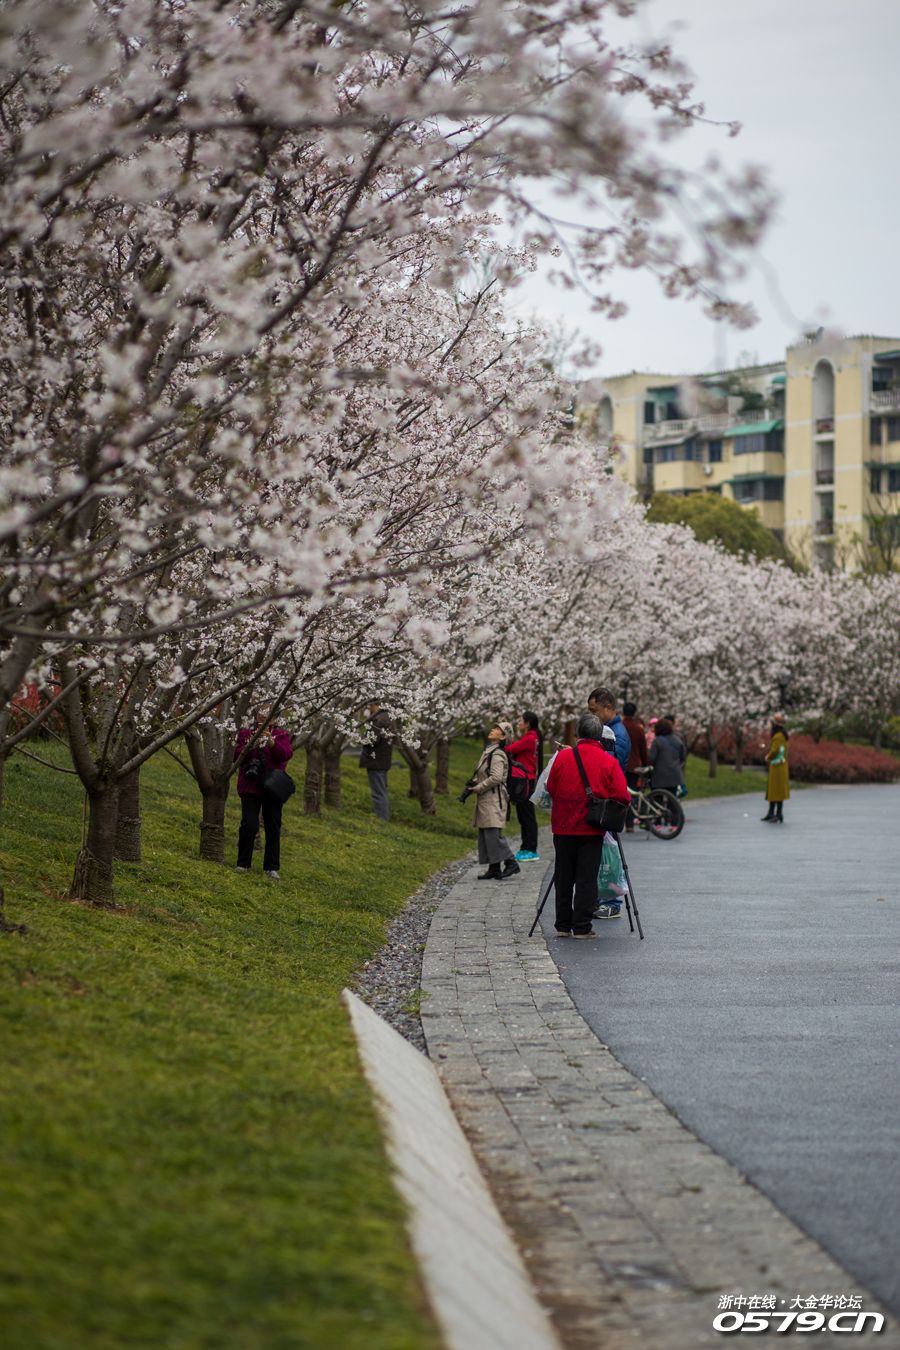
[(762, 1007)]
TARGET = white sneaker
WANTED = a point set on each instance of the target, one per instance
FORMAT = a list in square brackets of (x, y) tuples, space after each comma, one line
[(274, 876)]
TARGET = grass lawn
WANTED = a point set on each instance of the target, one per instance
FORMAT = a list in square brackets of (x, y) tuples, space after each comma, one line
[(726, 781), (191, 1158)]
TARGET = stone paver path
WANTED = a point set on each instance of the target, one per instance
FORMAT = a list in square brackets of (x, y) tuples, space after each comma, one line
[(763, 1007), (631, 1228)]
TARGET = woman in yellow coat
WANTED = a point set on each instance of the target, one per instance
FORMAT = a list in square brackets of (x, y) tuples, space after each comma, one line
[(778, 787)]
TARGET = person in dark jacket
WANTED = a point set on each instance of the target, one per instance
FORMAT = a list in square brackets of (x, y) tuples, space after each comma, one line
[(527, 751), (637, 759), (578, 845), (272, 751), (602, 703), (667, 755), (376, 759)]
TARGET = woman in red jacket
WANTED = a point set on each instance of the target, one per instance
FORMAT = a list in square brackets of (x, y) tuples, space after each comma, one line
[(579, 845), (271, 751), (527, 751)]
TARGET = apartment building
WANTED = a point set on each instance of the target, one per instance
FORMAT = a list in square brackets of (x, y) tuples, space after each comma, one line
[(812, 442)]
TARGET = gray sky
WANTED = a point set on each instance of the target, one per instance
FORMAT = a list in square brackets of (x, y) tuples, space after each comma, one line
[(814, 83)]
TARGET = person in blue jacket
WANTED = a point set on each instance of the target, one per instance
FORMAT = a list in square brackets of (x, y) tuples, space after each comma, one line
[(602, 703)]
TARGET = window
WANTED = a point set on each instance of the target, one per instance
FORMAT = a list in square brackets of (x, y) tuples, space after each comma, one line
[(759, 490), (648, 454), (893, 477), (753, 444), (714, 452), (881, 378), (875, 481), (672, 412), (893, 428), (649, 413), (874, 430)]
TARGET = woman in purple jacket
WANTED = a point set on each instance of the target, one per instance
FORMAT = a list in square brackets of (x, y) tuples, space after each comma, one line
[(272, 750)]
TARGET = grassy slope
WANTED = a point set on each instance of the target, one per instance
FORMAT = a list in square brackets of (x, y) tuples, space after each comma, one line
[(726, 781), (191, 1158)]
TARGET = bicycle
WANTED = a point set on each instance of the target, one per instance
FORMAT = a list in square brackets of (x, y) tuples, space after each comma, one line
[(656, 809)]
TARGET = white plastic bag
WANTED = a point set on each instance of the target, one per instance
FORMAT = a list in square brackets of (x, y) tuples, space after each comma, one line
[(540, 796)]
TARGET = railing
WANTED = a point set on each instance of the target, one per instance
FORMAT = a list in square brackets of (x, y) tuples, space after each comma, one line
[(709, 422), (824, 426), (824, 526), (824, 477), (660, 431), (884, 399), (714, 422)]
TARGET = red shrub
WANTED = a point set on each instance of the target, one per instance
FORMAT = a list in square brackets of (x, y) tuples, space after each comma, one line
[(834, 762), (756, 743), (811, 761)]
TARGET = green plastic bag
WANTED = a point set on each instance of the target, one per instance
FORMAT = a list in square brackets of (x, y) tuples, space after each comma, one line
[(611, 871)]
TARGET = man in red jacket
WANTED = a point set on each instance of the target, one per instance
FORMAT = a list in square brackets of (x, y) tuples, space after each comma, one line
[(579, 845)]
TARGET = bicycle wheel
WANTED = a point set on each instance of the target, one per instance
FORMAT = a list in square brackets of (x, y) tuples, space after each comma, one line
[(666, 818)]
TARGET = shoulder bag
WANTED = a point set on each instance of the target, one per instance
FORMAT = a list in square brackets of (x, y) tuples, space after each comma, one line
[(602, 812), (279, 785)]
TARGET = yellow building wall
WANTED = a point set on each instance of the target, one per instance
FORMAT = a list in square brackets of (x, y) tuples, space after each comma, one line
[(806, 500), (798, 458)]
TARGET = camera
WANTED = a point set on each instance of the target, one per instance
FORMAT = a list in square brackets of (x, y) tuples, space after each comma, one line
[(466, 792)]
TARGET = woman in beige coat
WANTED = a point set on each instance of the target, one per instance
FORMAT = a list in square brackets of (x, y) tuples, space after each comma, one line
[(488, 784)]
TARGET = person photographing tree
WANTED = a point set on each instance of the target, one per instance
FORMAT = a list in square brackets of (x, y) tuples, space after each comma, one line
[(270, 752), (376, 759), (488, 785)]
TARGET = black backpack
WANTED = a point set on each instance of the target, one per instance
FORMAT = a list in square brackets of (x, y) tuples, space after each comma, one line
[(516, 783)]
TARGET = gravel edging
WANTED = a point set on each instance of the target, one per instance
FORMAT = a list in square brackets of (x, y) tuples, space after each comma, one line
[(391, 982)]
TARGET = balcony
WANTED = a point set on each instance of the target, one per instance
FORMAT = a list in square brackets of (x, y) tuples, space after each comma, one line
[(824, 426), (824, 528), (712, 422), (825, 477), (708, 424), (885, 400), (680, 476), (666, 431)]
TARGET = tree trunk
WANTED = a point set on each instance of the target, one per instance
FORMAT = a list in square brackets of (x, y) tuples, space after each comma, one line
[(420, 778), (212, 823), (312, 781), (128, 819), (713, 752), (442, 767), (879, 737), (93, 877), (739, 750), (333, 775), (424, 790)]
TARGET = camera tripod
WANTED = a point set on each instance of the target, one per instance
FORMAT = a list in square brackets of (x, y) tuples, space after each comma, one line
[(630, 897)]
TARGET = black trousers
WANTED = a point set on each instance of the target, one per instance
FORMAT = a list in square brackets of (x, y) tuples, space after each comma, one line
[(575, 880), (528, 822), (271, 814), (633, 780)]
